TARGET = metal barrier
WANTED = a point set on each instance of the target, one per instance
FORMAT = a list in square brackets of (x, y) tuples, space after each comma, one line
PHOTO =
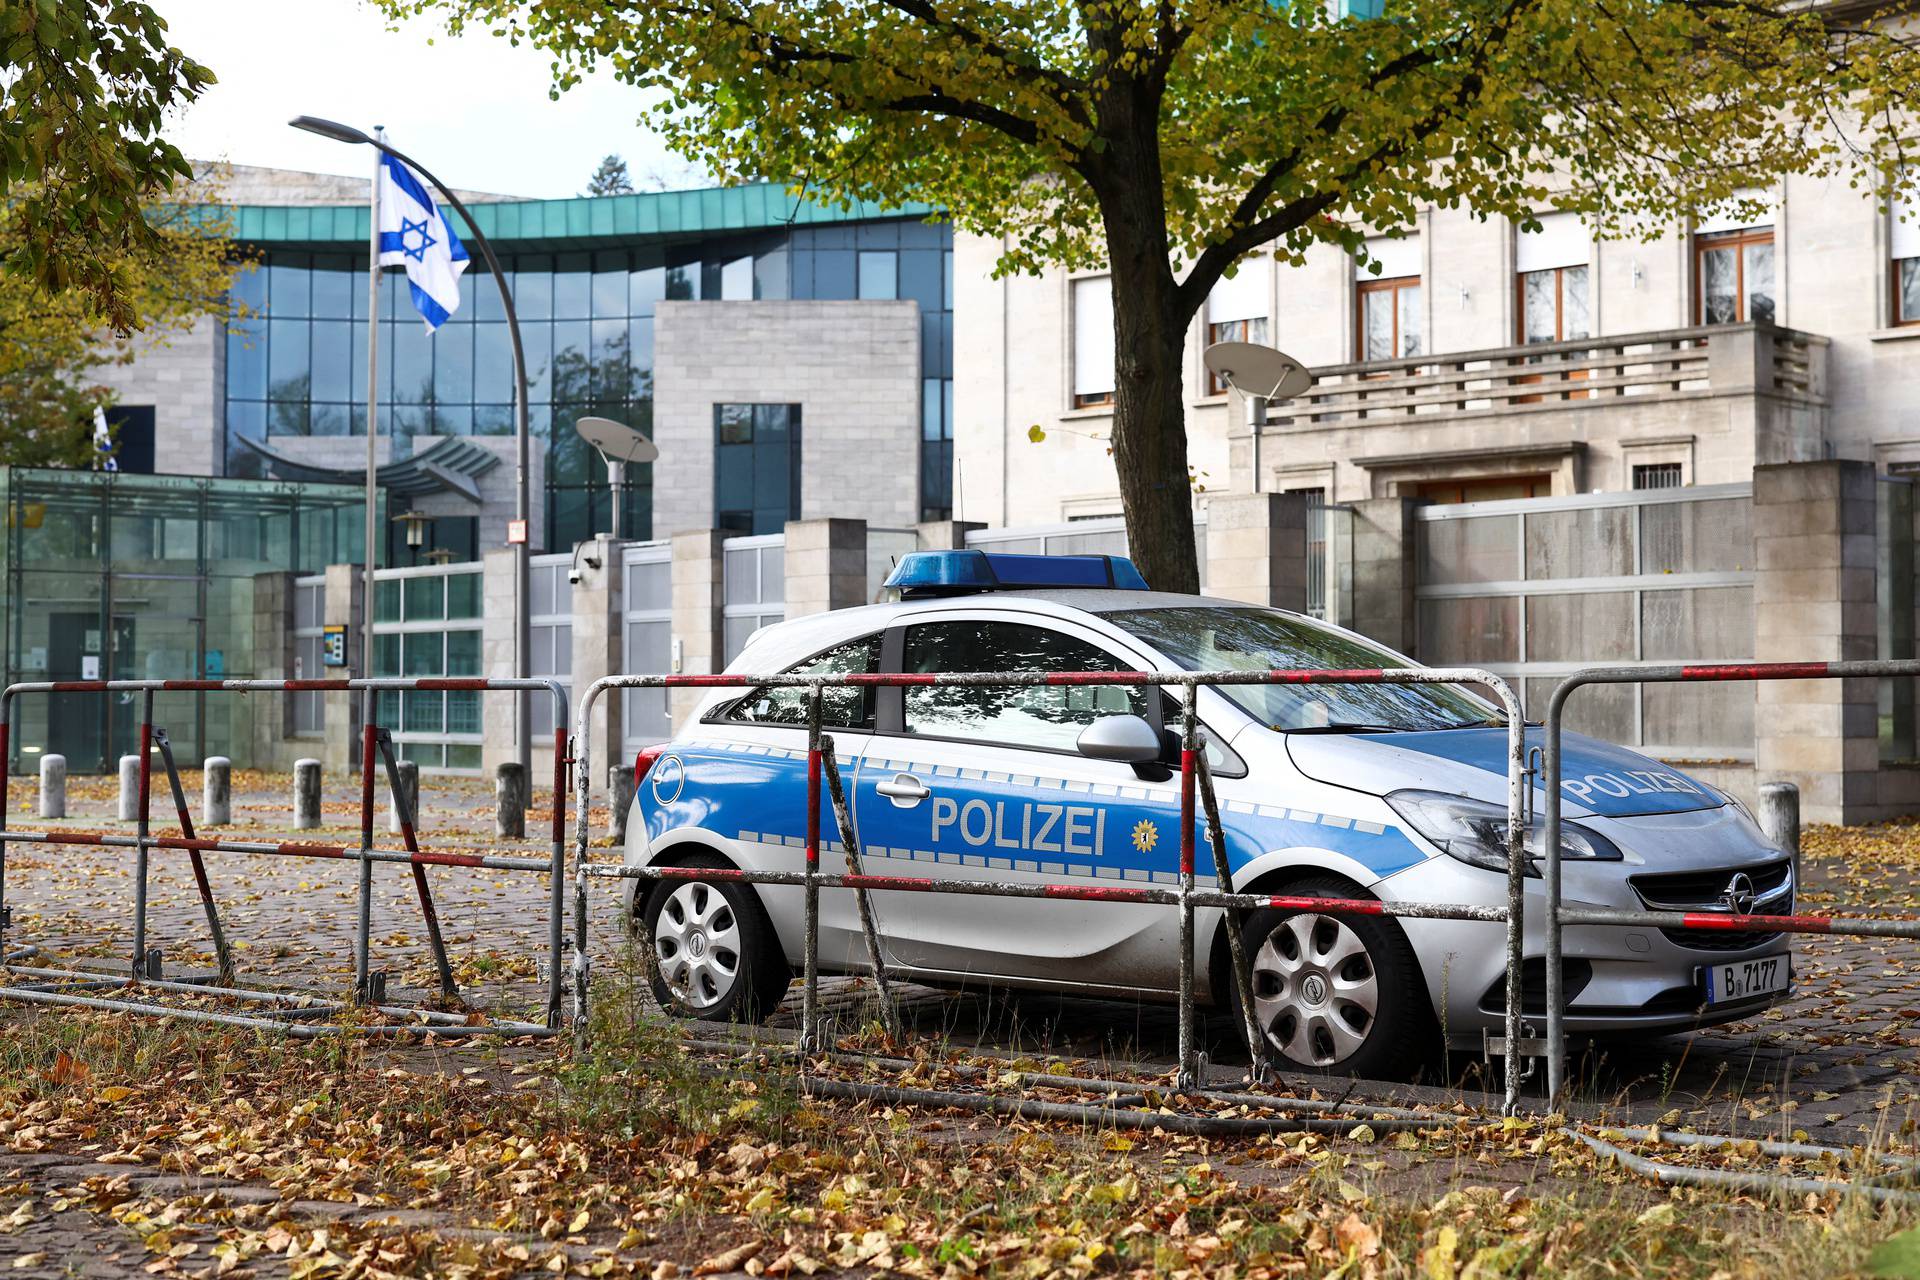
[(292, 1012), (1558, 916), (1195, 785)]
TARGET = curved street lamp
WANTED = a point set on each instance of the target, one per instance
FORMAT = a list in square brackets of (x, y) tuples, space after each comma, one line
[(522, 550)]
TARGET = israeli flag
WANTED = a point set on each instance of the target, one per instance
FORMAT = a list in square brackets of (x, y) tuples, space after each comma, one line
[(103, 459), (414, 235)]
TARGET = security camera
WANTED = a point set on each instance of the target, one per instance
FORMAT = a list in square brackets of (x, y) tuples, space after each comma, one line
[(573, 577)]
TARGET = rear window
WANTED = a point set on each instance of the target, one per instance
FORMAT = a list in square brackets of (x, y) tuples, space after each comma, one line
[(841, 706), (1200, 638)]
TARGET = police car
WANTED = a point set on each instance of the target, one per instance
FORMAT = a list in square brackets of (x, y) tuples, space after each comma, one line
[(1396, 792)]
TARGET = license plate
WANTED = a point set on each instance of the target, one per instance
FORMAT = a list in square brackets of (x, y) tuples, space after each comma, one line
[(1746, 979)]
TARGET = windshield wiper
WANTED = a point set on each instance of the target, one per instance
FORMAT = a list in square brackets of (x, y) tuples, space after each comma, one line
[(1490, 722), (1344, 726)]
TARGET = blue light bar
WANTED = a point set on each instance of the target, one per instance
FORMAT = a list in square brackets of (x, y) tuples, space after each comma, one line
[(946, 573)]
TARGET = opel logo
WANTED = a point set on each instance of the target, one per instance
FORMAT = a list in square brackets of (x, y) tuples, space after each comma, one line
[(1738, 896), (1314, 989)]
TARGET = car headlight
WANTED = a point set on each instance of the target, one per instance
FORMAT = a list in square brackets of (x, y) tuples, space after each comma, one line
[(1475, 831)]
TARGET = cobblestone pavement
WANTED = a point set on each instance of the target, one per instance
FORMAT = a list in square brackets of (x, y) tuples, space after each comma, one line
[(1840, 1061)]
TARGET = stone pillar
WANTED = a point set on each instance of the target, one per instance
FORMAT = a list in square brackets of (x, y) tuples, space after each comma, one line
[(408, 772), (306, 794), (826, 566), (216, 792), (344, 602), (1383, 571), (946, 535), (1814, 601), (599, 603), (1257, 548), (53, 785), (510, 800), (498, 739), (129, 788), (697, 600)]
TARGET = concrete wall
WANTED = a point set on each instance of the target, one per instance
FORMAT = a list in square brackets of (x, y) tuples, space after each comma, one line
[(184, 377), (852, 367)]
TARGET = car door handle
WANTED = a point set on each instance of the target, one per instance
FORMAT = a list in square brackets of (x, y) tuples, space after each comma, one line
[(904, 790)]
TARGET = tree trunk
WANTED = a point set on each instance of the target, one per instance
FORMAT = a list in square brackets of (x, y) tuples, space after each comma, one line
[(1149, 410)]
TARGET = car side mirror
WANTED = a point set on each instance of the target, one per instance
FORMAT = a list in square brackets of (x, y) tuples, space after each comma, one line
[(1123, 739)]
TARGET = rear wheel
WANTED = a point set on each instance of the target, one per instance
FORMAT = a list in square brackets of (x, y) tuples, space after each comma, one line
[(714, 953), (1338, 994)]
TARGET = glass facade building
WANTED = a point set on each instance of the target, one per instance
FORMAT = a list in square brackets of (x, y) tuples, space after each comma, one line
[(587, 277), (133, 577)]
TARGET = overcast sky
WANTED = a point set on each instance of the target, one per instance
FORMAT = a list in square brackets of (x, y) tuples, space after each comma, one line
[(474, 109)]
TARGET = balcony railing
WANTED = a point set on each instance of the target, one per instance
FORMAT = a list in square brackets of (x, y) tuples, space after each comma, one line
[(1718, 360)]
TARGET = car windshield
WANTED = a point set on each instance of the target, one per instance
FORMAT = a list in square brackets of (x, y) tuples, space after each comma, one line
[(1252, 639)]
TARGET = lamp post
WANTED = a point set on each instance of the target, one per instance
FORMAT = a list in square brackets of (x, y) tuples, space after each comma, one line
[(522, 550)]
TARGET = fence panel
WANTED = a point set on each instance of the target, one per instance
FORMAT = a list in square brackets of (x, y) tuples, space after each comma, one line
[(427, 623), (1537, 588), (754, 573), (646, 641)]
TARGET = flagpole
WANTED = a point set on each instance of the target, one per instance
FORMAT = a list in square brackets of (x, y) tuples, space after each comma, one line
[(373, 401)]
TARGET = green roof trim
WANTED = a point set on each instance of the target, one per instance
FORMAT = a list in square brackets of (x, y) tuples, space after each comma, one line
[(580, 221)]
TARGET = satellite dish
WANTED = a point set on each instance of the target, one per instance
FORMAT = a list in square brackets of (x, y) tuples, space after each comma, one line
[(1254, 370), (616, 441)]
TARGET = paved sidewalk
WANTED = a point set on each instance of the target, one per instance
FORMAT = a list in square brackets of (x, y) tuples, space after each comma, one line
[(1840, 1061)]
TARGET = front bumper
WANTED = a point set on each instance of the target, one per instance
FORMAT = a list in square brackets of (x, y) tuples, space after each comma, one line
[(1619, 979)]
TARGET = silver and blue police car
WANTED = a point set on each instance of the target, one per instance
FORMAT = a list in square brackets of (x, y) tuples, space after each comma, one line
[(1396, 792)]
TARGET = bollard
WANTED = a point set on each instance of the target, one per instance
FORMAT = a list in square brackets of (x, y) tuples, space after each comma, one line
[(306, 794), (409, 774), (1779, 817), (216, 791), (129, 788), (619, 799), (53, 786), (510, 800)]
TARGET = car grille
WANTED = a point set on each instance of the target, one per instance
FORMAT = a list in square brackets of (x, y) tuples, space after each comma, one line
[(1703, 890)]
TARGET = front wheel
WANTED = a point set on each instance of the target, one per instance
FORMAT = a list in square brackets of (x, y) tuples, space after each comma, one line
[(1338, 994), (714, 954)]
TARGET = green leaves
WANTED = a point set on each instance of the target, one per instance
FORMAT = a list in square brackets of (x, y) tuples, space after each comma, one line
[(89, 84)]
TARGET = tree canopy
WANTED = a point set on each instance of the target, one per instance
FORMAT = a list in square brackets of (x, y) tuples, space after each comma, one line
[(87, 86), (1167, 139), (52, 343)]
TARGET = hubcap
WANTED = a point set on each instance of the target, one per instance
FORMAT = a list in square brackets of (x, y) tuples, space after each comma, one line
[(696, 942), (1315, 992)]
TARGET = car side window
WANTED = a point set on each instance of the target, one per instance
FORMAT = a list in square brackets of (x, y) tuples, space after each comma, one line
[(1043, 717), (841, 707)]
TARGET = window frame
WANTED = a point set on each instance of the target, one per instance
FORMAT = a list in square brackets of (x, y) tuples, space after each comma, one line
[(1738, 239), (1090, 399), (727, 712), (1898, 316), (1395, 286), (1559, 304)]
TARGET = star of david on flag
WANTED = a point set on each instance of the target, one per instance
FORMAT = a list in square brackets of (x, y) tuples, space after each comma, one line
[(414, 235)]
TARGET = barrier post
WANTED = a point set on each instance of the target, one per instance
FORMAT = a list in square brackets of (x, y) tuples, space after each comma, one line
[(1550, 878), (6, 771), (143, 818), (1236, 922), (1516, 887), (558, 890), (363, 925), (843, 818), (222, 956), (1189, 1074), (403, 801), (810, 995)]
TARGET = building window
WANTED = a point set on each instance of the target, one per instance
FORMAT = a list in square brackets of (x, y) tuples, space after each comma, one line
[(1551, 266), (1733, 276), (1389, 318), (1092, 342), (756, 466), (1656, 475), (1237, 312), (879, 275), (1906, 250), (309, 655)]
